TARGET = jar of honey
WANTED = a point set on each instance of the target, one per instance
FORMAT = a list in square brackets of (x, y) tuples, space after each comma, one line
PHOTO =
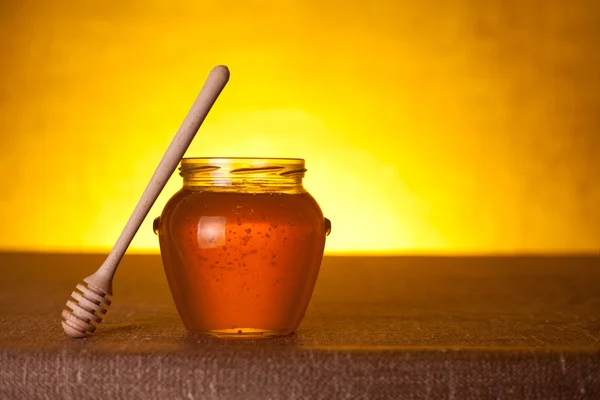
[(242, 243)]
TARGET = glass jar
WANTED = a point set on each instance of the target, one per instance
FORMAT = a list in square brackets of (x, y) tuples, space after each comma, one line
[(242, 243)]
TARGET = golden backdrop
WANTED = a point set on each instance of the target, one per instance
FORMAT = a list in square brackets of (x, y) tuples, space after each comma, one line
[(437, 127)]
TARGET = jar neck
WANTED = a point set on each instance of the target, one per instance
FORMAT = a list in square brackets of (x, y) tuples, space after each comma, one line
[(253, 175)]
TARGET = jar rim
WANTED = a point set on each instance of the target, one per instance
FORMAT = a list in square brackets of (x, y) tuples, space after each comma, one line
[(226, 171), (233, 164), (249, 159)]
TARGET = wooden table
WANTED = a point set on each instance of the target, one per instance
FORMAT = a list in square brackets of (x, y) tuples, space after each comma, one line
[(403, 327)]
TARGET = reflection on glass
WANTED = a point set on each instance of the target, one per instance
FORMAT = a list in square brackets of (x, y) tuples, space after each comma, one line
[(211, 232)]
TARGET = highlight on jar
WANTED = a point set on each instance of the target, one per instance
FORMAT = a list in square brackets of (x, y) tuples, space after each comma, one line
[(241, 243)]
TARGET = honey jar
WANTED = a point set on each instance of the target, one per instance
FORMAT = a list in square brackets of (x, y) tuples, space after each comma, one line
[(242, 243)]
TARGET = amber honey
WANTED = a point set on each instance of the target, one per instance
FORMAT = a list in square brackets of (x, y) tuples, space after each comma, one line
[(242, 251)]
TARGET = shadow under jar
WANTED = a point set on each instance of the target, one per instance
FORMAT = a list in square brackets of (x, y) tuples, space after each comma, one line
[(242, 243)]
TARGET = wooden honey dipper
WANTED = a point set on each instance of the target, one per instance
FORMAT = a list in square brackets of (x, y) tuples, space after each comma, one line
[(91, 298)]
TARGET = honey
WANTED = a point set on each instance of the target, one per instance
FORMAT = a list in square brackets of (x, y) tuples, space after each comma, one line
[(242, 243)]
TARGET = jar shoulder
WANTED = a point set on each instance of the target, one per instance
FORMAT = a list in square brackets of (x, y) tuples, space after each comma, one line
[(187, 201)]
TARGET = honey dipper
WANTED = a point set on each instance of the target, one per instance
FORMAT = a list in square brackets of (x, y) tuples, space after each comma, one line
[(91, 298)]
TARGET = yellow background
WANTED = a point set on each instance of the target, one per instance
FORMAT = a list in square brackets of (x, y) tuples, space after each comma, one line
[(427, 127)]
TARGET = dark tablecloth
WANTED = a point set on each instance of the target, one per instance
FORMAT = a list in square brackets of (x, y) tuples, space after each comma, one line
[(377, 327)]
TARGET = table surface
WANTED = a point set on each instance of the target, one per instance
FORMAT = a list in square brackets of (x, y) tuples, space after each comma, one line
[(377, 327)]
